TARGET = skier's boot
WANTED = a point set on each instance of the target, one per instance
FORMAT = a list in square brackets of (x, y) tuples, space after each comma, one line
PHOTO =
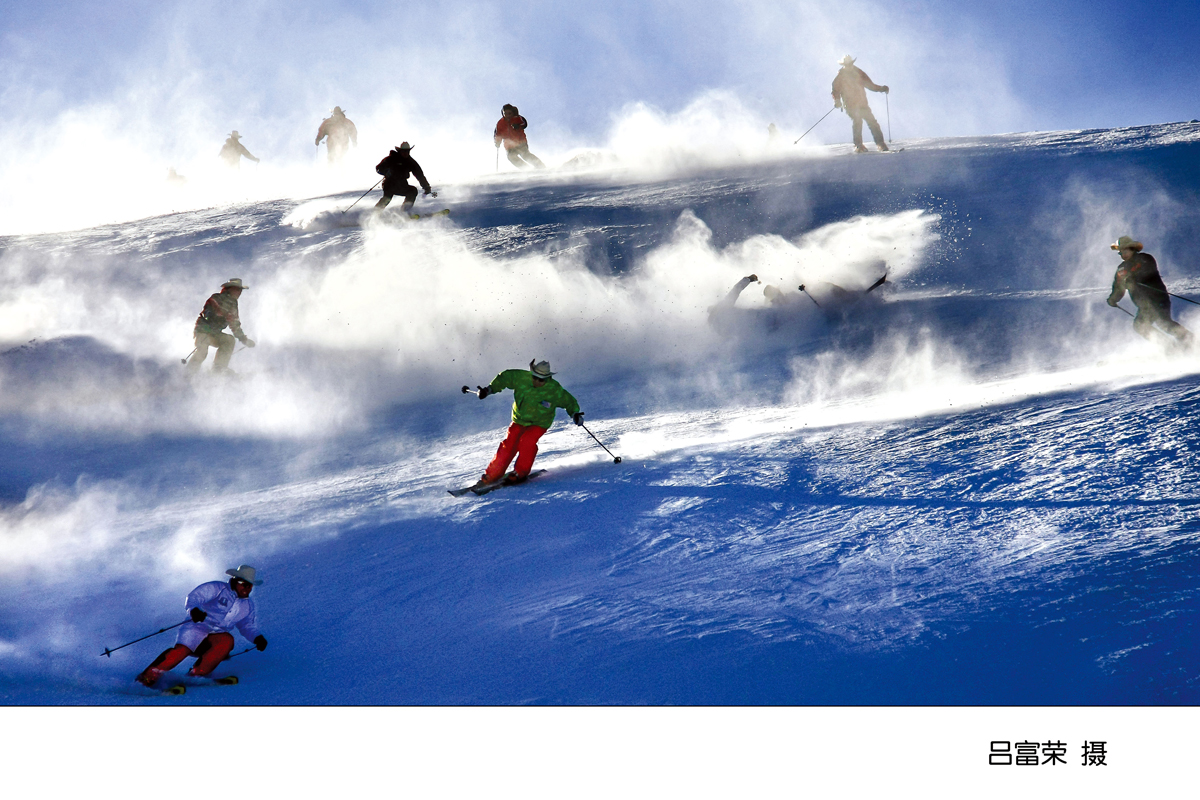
[(484, 481), (883, 148), (149, 676), (858, 148), (513, 479)]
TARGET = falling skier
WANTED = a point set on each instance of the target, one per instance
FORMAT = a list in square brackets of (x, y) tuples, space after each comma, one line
[(717, 313), (215, 609), (341, 132), (1138, 275), (511, 131), (233, 150), (849, 95), (537, 395), (220, 311), (395, 169)]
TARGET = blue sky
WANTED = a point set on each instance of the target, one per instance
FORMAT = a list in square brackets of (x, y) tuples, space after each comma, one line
[(1065, 64)]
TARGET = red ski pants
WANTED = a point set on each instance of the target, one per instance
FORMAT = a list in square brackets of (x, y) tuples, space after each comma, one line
[(521, 441), (211, 652)]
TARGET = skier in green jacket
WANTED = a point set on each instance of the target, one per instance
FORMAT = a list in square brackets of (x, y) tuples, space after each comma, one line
[(537, 395)]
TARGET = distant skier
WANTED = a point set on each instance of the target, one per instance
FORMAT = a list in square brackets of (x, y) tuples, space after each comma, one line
[(395, 169), (220, 311), (215, 608), (536, 396), (341, 133), (233, 150), (511, 131), (1138, 275), (849, 95)]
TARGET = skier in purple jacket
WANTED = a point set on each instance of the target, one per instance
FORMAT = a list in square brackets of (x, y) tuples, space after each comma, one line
[(216, 608)]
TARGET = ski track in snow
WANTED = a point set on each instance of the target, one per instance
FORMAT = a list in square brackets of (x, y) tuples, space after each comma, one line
[(926, 500)]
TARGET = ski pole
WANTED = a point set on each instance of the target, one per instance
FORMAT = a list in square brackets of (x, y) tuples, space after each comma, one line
[(467, 390), (1127, 311), (810, 297), (616, 459), (364, 194), (108, 652), (239, 653), (815, 124), (497, 158), (1172, 294), (189, 355), (888, 107)]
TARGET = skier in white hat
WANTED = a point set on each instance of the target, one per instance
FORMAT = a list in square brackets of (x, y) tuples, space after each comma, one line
[(849, 95), (220, 311), (1138, 275), (233, 150), (536, 397), (215, 608)]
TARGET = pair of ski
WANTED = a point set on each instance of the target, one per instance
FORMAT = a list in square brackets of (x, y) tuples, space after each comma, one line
[(181, 688), (482, 488), (445, 212)]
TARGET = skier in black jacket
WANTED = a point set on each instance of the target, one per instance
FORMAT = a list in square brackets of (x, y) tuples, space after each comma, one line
[(1138, 275), (395, 169)]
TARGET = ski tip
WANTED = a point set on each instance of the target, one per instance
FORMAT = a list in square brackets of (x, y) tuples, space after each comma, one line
[(177, 689)]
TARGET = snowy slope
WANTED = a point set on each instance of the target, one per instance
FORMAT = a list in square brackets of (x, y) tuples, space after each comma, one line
[(976, 485)]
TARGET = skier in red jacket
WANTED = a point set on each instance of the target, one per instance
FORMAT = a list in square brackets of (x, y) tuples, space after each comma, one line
[(511, 131)]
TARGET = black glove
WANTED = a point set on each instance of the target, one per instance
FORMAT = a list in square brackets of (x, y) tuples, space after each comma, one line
[(260, 642), (1111, 302), (578, 418), (886, 90), (428, 190), (198, 615), (484, 391), (249, 342)]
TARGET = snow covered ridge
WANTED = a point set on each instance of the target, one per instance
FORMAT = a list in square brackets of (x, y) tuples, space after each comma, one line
[(1069, 142)]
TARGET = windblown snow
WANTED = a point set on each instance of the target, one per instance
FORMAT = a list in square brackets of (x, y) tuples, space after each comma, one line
[(974, 484)]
